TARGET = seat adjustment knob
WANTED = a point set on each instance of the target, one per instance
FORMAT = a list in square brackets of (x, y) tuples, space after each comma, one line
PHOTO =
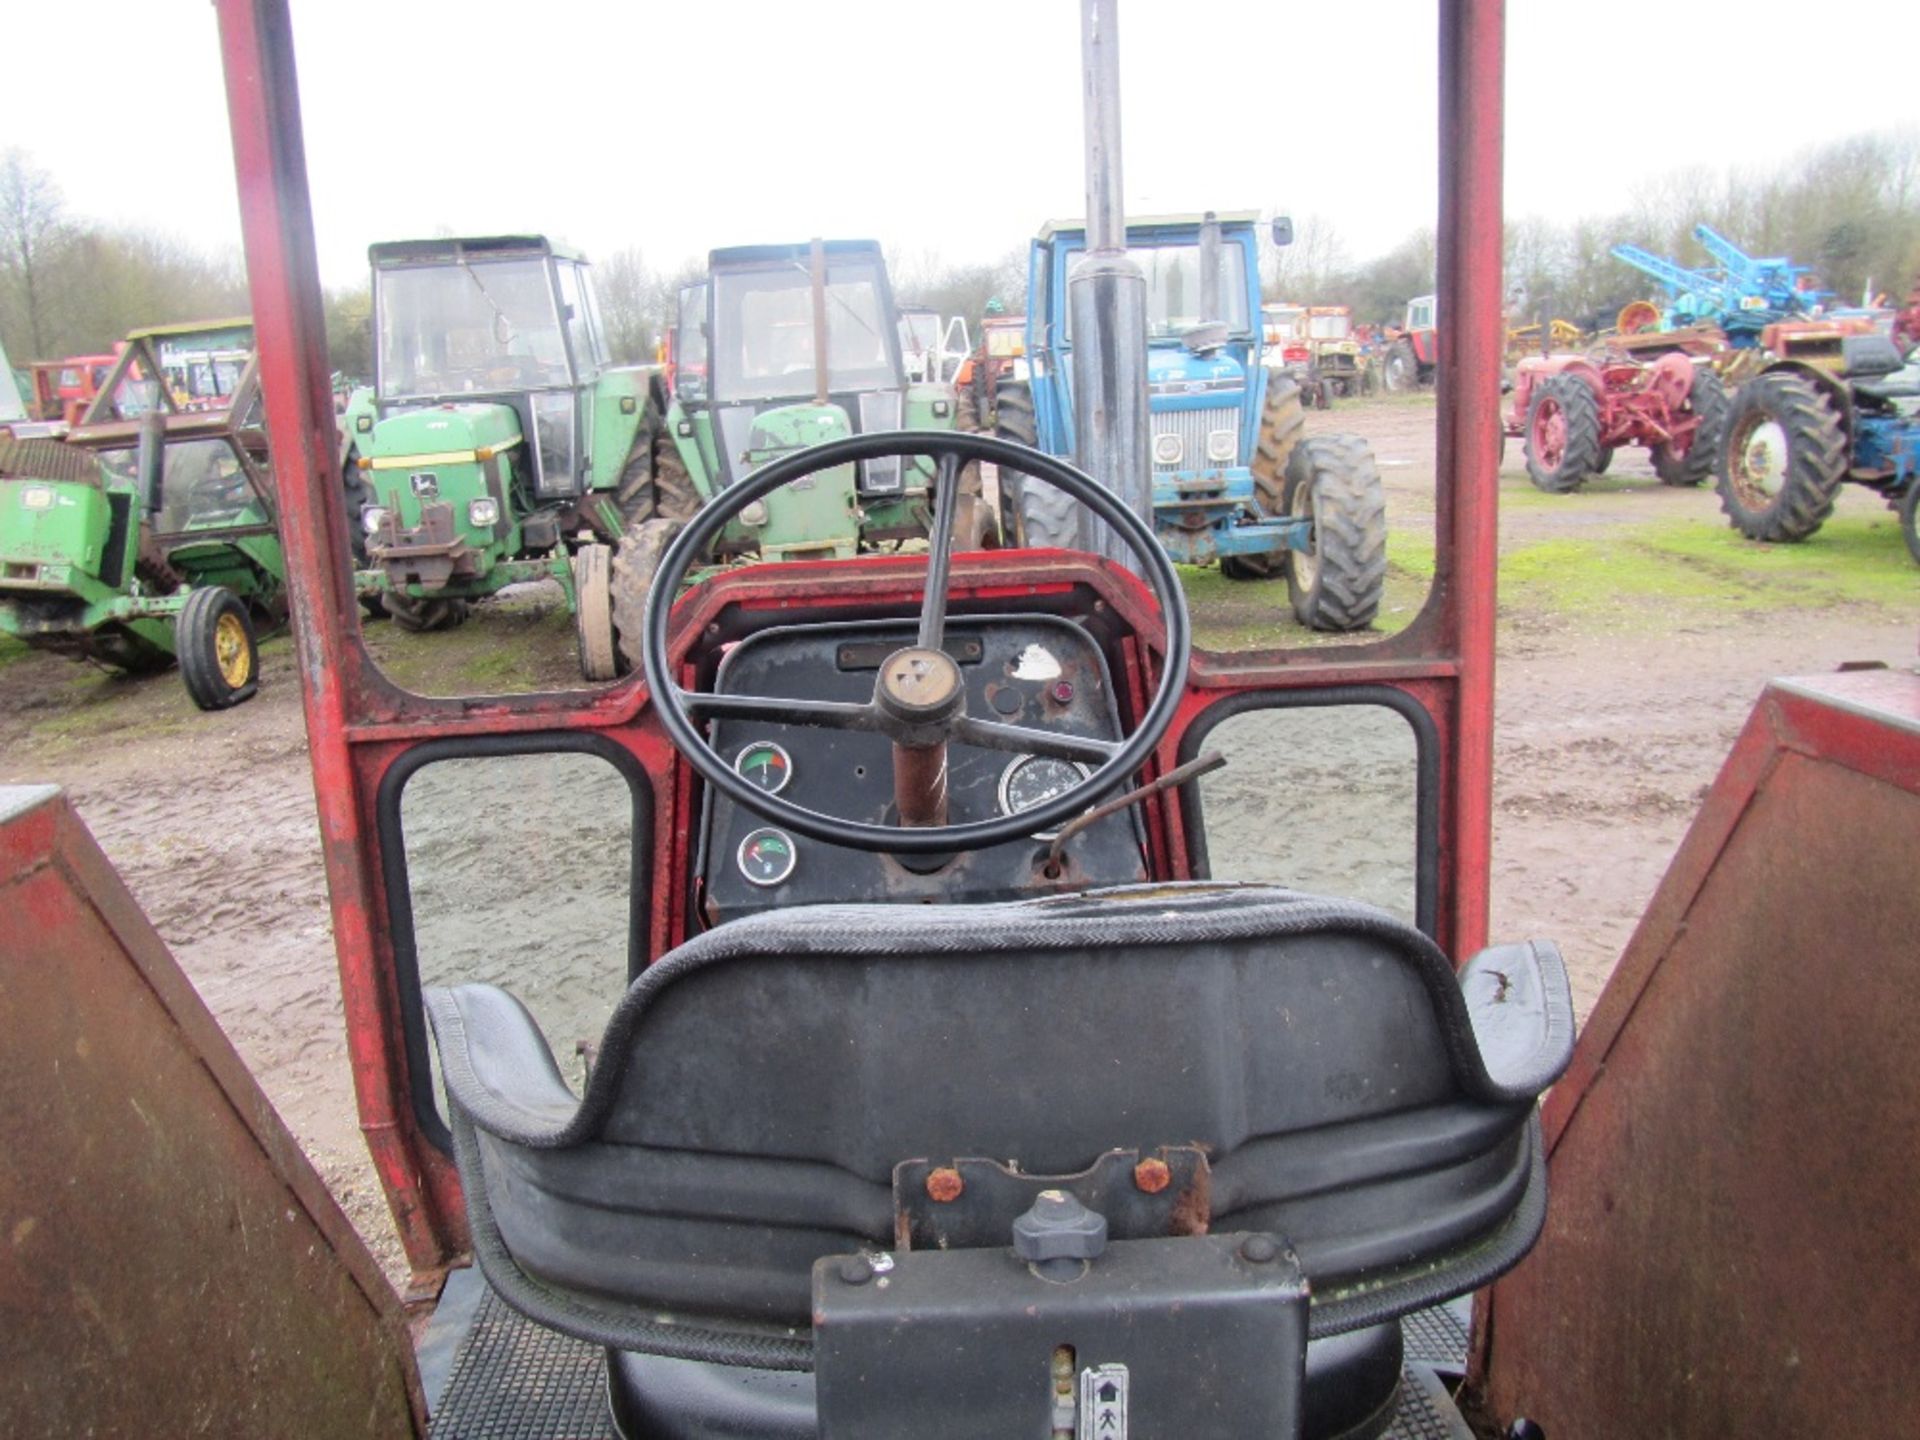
[(1059, 1227)]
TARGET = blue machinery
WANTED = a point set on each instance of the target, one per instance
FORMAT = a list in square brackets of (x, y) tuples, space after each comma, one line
[(1740, 293)]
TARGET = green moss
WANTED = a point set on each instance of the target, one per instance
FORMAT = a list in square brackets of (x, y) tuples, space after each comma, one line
[(12, 650), (507, 647)]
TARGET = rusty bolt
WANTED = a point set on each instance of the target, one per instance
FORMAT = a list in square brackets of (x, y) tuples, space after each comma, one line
[(944, 1185), (1152, 1176)]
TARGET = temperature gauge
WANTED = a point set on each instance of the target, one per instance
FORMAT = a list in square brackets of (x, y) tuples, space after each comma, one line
[(1035, 779), (765, 766), (767, 857)]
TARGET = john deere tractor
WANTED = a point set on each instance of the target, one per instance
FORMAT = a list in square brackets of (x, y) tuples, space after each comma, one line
[(1235, 478), (780, 348), (497, 444), (133, 543)]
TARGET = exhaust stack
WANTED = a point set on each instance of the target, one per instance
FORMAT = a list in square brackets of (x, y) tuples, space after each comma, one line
[(1107, 302)]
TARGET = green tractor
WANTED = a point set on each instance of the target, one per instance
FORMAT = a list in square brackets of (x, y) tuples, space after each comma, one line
[(136, 543), (783, 347), (497, 444)]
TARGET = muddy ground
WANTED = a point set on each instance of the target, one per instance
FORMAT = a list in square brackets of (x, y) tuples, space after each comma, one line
[(1636, 631)]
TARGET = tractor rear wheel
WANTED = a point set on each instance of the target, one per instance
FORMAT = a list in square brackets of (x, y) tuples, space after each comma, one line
[(1401, 374), (219, 661), (1563, 434), (1333, 484), (1694, 465), (1781, 458), (593, 612), (1606, 459), (1910, 519), (1283, 421), (1037, 515), (634, 564), (422, 616)]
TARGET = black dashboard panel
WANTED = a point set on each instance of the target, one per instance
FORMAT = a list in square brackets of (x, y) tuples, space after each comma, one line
[(1032, 670)]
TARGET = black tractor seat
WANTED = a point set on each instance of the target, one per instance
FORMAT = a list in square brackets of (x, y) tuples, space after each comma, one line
[(1192, 1062)]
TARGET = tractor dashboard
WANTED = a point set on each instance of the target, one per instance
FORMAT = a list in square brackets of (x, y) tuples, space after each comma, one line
[(1032, 670)]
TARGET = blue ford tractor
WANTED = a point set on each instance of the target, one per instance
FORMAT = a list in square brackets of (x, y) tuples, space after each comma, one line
[(1235, 478)]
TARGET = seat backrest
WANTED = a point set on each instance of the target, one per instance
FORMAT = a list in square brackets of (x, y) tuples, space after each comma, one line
[(757, 1089)]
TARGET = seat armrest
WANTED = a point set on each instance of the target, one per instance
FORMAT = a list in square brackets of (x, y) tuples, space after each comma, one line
[(483, 1031), (1521, 1008)]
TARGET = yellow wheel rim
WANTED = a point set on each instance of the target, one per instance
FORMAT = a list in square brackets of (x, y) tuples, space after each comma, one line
[(230, 651)]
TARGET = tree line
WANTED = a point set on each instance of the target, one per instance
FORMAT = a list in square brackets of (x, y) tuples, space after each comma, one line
[(1850, 209)]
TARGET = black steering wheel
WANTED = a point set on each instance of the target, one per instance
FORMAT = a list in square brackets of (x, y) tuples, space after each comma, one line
[(919, 700)]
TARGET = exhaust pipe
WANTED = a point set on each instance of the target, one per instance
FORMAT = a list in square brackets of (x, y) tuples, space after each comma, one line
[(1107, 300)]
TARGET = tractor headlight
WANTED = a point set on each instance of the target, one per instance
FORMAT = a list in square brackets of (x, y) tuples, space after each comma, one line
[(372, 518), (37, 497), (1166, 449), (484, 513), (1220, 446), (754, 513)]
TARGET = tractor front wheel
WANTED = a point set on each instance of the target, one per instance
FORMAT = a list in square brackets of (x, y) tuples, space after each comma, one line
[(1910, 520), (1333, 484), (1781, 458), (593, 612), (1694, 465), (1032, 516), (1283, 421), (634, 564), (1563, 434), (219, 661)]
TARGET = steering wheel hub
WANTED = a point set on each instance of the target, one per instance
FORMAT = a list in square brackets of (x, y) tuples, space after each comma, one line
[(918, 685)]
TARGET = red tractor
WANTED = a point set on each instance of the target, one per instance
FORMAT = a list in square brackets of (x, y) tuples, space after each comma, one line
[(1413, 349), (945, 1088), (1574, 411), (64, 389)]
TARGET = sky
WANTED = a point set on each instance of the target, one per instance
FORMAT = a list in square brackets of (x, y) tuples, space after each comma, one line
[(937, 129)]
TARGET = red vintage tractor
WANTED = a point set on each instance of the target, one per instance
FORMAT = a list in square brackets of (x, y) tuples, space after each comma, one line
[(1413, 348), (1574, 411), (945, 1090)]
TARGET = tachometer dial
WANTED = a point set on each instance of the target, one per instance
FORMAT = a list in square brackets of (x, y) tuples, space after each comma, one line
[(767, 856), (1035, 779), (765, 766)]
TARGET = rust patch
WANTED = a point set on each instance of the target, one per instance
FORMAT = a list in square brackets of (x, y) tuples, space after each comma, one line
[(1152, 1176), (1193, 1207), (944, 1185)]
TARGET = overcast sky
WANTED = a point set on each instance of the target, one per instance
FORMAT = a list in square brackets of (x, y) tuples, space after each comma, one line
[(944, 127)]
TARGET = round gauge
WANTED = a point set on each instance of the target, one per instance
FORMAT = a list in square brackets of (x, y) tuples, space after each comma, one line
[(765, 766), (1034, 779), (767, 856)]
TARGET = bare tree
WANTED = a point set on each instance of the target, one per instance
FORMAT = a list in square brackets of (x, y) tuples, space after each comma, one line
[(29, 223)]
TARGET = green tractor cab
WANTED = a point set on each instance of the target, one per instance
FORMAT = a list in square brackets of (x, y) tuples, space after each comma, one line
[(133, 543), (781, 348), (496, 440)]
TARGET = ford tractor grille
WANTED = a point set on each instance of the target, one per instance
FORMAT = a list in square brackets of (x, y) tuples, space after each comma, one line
[(1191, 428)]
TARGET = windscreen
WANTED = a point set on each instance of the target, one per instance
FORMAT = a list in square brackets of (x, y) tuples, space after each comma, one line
[(485, 325), (690, 344), (762, 341), (1173, 287), (203, 486)]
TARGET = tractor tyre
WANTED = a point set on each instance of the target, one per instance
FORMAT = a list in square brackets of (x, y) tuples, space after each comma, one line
[(213, 636), (1563, 434), (1910, 520), (634, 565), (593, 612), (1032, 516), (1337, 583), (1401, 373), (655, 480), (1283, 423), (422, 616), (1781, 458), (1694, 465), (1605, 461)]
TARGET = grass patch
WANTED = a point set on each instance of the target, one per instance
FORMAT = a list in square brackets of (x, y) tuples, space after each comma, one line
[(1709, 566), (12, 650), (508, 646)]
